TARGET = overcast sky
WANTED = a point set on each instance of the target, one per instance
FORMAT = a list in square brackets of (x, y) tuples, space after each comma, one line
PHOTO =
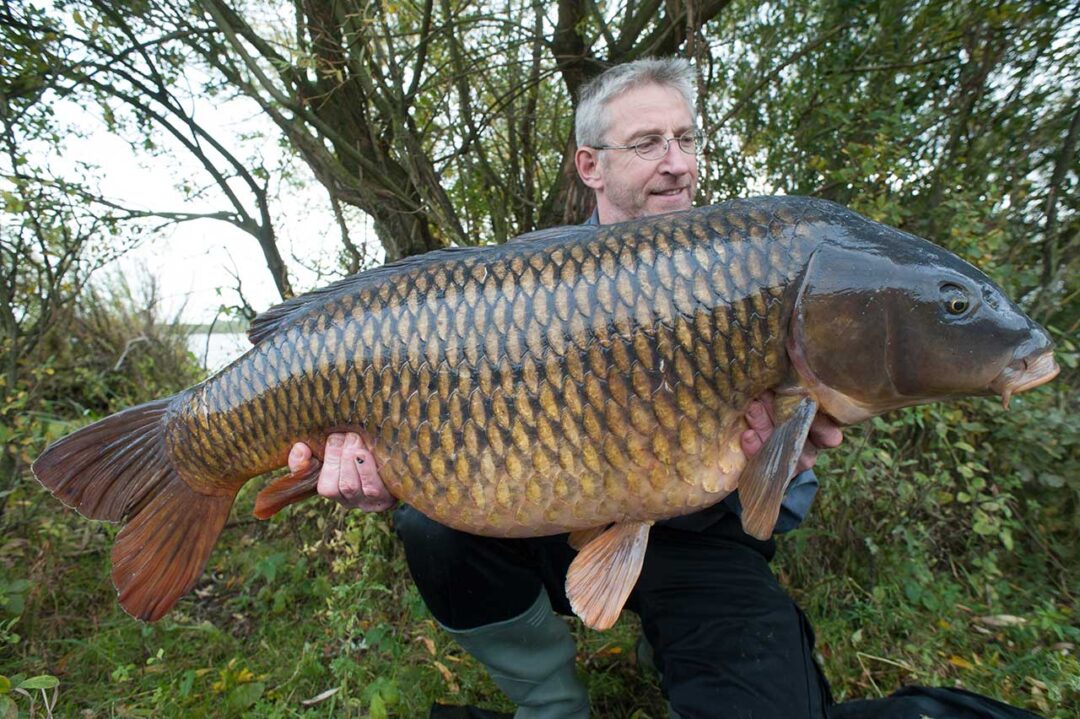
[(194, 261)]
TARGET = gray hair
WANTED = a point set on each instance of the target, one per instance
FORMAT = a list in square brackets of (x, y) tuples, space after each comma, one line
[(591, 123)]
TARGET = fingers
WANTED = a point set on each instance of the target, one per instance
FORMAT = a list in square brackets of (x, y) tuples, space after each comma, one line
[(376, 497), (760, 425), (331, 469), (350, 475), (758, 417), (339, 479), (824, 433), (807, 459)]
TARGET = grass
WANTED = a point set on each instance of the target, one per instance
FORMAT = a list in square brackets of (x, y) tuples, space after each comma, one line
[(312, 614)]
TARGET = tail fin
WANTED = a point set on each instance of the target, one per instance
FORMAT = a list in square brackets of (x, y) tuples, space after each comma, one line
[(118, 470)]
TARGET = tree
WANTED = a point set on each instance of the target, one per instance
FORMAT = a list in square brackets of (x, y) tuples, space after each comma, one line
[(956, 121), (102, 57), (434, 119), (449, 123)]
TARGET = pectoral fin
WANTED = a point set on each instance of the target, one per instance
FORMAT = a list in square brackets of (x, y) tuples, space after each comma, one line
[(767, 473), (604, 573)]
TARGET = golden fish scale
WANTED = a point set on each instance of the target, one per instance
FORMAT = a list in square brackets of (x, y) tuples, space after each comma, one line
[(538, 387)]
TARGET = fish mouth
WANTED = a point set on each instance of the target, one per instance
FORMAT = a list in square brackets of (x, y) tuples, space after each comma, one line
[(1025, 374)]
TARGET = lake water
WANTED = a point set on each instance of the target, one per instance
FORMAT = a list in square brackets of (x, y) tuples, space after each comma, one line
[(216, 350)]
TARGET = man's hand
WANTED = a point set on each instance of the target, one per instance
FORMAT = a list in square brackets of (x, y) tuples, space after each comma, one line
[(349, 474), (824, 433)]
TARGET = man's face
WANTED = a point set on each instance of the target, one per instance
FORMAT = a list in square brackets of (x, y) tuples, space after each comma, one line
[(627, 186)]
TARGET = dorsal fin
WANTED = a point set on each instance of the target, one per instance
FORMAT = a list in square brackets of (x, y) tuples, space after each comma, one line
[(563, 233), (268, 322), (273, 319)]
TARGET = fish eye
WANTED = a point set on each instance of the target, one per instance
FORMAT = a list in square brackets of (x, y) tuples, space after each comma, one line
[(955, 299)]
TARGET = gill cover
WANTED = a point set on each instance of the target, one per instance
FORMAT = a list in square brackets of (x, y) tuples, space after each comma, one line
[(840, 332), (892, 320)]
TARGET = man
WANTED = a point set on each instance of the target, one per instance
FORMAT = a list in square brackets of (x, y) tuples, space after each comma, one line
[(727, 640)]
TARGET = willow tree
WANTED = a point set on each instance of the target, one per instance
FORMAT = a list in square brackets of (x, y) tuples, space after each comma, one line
[(445, 121)]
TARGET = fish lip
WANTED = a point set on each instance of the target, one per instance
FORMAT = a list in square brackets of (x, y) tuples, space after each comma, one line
[(1024, 374)]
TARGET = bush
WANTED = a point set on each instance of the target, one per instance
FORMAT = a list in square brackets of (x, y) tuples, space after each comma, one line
[(110, 350), (941, 551)]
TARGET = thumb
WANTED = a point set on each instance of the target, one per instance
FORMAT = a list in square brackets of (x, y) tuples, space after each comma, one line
[(299, 458)]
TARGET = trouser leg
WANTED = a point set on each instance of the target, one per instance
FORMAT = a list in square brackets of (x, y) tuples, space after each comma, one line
[(492, 595), (728, 641), (469, 581)]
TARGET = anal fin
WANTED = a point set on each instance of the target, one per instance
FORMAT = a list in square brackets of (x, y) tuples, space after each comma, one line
[(290, 489), (604, 573), (767, 474)]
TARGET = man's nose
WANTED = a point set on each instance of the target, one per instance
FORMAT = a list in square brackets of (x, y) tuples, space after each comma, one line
[(675, 161)]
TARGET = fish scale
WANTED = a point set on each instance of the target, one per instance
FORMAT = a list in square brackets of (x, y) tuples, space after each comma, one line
[(567, 380), (602, 275)]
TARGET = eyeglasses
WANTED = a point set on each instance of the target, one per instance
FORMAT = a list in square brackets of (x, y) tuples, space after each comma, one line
[(653, 147)]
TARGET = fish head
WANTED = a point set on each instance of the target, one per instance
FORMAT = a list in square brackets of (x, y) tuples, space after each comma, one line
[(885, 319)]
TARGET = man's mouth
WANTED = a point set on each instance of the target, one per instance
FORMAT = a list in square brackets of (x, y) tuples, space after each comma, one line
[(672, 192)]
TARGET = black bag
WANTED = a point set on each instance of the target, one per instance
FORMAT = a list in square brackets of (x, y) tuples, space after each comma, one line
[(929, 703)]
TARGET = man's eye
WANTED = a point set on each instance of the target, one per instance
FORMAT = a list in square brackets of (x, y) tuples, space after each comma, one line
[(648, 143)]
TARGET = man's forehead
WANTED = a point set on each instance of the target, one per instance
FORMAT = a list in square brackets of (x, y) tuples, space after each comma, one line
[(649, 109)]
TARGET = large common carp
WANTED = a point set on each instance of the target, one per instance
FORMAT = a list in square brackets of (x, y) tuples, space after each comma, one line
[(568, 380)]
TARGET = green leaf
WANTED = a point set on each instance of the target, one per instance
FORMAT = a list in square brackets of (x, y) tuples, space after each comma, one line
[(41, 681), (5, 685), (245, 695), (1055, 481), (186, 682), (8, 710), (377, 707)]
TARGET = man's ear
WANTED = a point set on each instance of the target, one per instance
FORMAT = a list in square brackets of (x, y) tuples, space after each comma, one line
[(587, 160)]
